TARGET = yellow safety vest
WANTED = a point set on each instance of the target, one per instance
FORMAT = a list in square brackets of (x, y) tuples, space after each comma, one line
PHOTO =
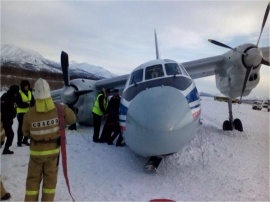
[(24, 99), (96, 108)]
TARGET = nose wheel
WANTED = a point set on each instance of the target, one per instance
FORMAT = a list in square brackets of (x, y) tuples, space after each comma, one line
[(232, 124)]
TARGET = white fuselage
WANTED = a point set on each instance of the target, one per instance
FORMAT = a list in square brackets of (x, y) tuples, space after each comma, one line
[(159, 116)]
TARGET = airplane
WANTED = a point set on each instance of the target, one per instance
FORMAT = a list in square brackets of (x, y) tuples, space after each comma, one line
[(160, 104)]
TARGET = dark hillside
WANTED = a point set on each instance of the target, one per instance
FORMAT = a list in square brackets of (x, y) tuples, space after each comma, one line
[(11, 74)]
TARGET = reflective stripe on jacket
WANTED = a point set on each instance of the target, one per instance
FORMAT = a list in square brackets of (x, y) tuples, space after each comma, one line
[(96, 108), (24, 99), (43, 129)]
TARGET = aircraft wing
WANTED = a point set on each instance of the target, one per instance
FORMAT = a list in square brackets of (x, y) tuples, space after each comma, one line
[(115, 82), (203, 67), (207, 66)]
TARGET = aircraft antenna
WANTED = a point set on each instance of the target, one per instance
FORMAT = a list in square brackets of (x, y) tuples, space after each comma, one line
[(156, 43)]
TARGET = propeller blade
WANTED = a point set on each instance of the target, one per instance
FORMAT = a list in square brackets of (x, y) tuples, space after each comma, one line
[(64, 64), (219, 44), (265, 62), (223, 45), (249, 69), (82, 92), (264, 21)]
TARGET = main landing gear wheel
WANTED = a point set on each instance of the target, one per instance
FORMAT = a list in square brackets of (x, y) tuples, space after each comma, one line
[(227, 125), (232, 124), (238, 125)]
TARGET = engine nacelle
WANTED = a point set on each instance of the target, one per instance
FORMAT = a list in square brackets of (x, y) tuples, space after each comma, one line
[(81, 104), (230, 78)]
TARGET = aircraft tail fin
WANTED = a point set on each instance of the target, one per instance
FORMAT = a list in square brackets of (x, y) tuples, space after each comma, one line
[(156, 43)]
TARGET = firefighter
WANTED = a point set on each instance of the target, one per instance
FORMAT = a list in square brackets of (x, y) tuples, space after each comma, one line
[(98, 110), (24, 101), (8, 108), (41, 125)]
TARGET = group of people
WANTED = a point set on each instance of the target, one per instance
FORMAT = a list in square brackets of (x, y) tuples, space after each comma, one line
[(16, 101), (38, 119), (109, 109)]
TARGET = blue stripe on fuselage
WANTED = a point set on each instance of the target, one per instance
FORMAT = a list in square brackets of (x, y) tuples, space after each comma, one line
[(193, 96)]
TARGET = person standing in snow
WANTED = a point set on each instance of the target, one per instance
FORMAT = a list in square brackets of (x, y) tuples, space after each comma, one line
[(40, 123), (113, 119), (4, 194), (98, 110), (8, 113), (24, 101)]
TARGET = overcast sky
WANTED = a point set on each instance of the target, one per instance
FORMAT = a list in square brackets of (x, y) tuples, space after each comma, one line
[(119, 35)]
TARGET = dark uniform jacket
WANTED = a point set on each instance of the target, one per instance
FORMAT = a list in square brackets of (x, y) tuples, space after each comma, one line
[(8, 107), (113, 110)]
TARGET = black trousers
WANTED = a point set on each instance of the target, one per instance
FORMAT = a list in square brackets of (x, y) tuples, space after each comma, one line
[(9, 134), (20, 133), (116, 131), (106, 133), (97, 122)]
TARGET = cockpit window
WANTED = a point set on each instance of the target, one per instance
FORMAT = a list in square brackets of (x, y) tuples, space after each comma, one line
[(136, 77), (184, 71), (154, 71), (172, 69)]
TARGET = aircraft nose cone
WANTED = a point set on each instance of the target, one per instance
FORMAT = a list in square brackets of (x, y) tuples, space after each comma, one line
[(158, 109), (156, 118)]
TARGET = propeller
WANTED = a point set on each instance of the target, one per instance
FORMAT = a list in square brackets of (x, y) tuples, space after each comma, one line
[(82, 92), (70, 94), (224, 45), (64, 64), (264, 21), (249, 69), (265, 62), (252, 57)]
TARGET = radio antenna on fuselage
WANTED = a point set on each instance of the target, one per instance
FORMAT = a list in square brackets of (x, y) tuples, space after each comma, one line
[(156, 43)]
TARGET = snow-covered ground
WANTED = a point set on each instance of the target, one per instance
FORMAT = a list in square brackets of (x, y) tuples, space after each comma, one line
[(216, 166)]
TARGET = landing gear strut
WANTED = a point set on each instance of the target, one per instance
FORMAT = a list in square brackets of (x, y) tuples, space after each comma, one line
[(232, 124)]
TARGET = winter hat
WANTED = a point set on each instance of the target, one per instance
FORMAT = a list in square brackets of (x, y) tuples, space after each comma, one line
[(14, 89), (24, 83), (42, 89)]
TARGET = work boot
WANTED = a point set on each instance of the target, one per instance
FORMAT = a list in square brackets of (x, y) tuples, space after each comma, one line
[(26, 143), (6, 197), (95, 140), (121, 144), (7, 151)]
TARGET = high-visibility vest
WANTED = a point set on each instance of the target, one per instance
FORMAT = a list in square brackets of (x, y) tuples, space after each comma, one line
[(24, 99), (96, 108)]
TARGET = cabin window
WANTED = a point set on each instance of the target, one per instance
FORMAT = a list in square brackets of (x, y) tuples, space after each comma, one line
[(172, 69), (136, 77), (154, 71)]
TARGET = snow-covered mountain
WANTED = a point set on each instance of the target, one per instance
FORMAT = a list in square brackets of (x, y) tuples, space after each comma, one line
[(93, 69), (32, 60)]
